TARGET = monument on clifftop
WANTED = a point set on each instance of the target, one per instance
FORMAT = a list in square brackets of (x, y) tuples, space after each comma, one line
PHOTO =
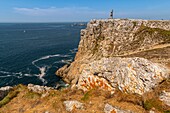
[(111, 14)]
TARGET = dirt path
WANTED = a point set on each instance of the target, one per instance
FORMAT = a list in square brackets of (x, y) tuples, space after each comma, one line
[(151, 48)]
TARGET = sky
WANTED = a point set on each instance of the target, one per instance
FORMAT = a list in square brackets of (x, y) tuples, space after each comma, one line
[(81, 10)]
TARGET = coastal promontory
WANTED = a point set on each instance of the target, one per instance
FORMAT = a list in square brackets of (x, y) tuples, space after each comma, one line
[(126, 54), (121, 66)]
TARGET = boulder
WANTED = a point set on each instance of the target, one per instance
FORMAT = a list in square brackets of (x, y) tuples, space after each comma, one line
[(73, 104), (4, 91), (112, 109), (165, 97), (38, 88), (130, 75)]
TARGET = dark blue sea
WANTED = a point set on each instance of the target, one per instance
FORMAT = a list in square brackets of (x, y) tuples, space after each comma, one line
[(32, 52)]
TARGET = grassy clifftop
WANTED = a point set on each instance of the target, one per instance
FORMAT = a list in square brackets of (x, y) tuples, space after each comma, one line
[(22, 100)]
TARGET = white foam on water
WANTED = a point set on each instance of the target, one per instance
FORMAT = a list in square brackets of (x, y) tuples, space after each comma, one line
[(30, 75), (47, 57), (68, 61), (42, 73), (74, 50), (9, 74), (43, 58), (6, 76), (21, 75), (45, 68), (42, 70), (4, 72)]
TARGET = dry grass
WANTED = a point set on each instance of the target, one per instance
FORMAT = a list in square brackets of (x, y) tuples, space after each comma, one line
[(93, 100), (151, 99)]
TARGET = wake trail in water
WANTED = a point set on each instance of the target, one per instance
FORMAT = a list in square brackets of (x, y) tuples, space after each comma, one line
[(44, 69), (73, 51), (64, 61), (47, 57), (11, 74)]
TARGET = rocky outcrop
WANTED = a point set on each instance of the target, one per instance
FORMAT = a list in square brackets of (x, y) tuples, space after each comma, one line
[(38, 88), (165, 97), (131, 75), (99, 61), (117, 37), (4, 91), (110, 109), (72, 105)]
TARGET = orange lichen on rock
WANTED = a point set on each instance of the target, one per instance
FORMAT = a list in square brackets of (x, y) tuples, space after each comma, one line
[(113, 111), (92, 82)]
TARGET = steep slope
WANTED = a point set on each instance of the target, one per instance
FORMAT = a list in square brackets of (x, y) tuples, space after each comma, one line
[(96, 63)]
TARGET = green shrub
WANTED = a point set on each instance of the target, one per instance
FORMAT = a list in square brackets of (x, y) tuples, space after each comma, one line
[(86, 96), (148, 105), (168, 111), (8, 98), (153, 103), (32, 95)]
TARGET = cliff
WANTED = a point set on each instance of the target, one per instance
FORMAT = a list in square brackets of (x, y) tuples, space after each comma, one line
[(120, 53), (122, 66)]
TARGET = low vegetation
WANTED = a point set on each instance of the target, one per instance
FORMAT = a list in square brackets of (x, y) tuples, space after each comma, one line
[(159, 33), (21, 99), (86, 96), (8, 98)]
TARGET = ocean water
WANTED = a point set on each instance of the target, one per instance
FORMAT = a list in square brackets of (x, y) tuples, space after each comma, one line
[(32, 52)]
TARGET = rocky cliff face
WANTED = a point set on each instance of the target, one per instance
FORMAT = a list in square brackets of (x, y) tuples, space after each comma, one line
[(100, 60)]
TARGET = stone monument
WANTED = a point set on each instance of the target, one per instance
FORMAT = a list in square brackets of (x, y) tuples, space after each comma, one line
[(111, 14)]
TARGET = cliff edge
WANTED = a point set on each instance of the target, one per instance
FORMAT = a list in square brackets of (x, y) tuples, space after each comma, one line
[(130, 55), (127, 62)]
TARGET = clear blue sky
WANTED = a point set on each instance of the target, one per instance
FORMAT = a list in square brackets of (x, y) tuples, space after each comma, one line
[(81, 10)]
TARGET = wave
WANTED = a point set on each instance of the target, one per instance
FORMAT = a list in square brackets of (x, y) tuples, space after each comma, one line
[(42, 69), (68, 61), (11, 74), (74, 50), (49, 56), (21, 75), (42, 74)]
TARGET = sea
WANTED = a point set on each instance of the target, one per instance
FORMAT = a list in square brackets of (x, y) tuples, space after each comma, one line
[(32, 52)]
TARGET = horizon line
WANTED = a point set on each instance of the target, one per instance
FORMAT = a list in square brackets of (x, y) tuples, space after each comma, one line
[(84, 21)]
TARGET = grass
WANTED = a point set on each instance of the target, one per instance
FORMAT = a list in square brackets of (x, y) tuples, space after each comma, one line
[(168, 111), (151, 99), (94, 99), (130, 98), (153, 103), (12, 94), (86, 96), (165, 34), (32, 95), (8, 98)]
